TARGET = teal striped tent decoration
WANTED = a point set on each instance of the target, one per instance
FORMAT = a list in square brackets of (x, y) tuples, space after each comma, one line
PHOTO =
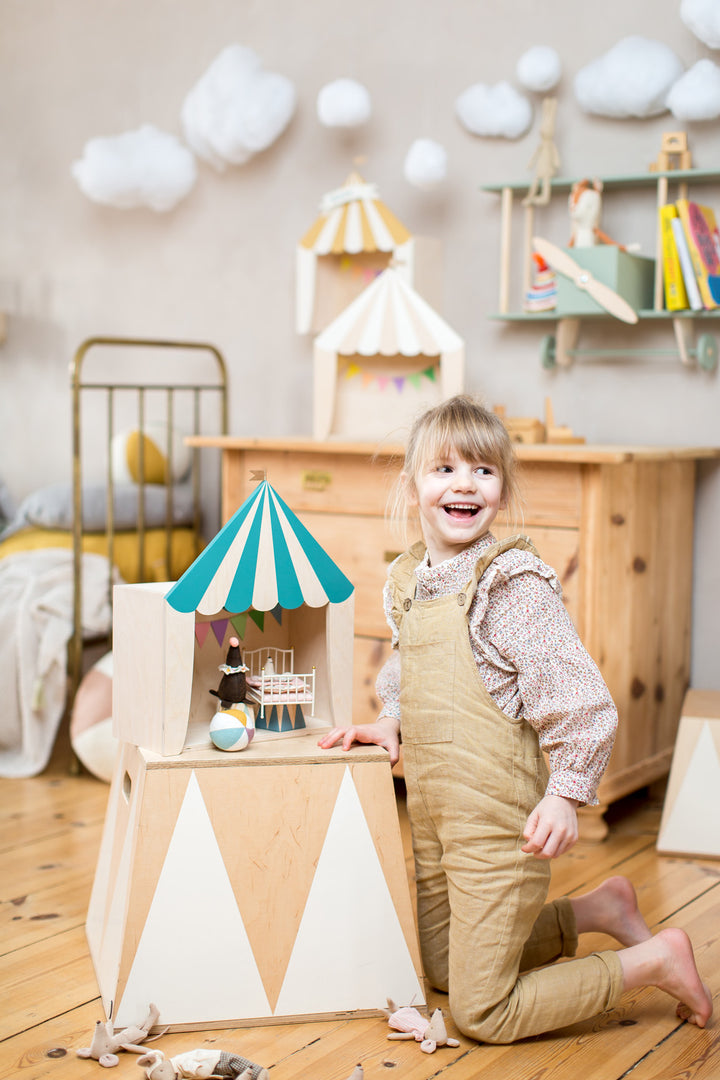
[(264, 557)]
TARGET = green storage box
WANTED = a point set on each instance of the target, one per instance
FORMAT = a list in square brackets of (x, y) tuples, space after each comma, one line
[(631, 276)]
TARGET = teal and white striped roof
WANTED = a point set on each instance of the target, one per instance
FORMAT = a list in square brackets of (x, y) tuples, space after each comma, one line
[(262, 558)]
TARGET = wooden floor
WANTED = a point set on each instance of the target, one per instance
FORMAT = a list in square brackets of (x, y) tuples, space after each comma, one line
[(51, 827)]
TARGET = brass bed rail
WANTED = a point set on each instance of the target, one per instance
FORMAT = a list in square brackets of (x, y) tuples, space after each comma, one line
[(215, 383)]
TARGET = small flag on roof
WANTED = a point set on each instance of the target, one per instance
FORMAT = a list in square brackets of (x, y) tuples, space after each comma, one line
[(264, 557)]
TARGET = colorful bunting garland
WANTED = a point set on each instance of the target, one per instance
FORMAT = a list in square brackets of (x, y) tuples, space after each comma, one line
[(238, 623), (369, 378)]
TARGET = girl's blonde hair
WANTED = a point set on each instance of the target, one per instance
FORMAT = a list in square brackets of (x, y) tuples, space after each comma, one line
[(464, 425)]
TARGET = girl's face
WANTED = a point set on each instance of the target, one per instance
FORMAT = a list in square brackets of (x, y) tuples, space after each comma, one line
[(457, 501)]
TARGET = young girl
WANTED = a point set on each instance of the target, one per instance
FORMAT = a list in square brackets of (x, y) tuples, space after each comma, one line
[(491, 673)]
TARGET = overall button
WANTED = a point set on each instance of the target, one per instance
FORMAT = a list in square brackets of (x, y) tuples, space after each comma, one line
[(407, 603), (461, 599)]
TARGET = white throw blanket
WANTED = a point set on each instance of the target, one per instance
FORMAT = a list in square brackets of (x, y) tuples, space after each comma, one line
[(36, 605)]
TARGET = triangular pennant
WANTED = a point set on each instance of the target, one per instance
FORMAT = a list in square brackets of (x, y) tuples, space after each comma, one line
[(415, 379), (258, 617), (382, 381), (202, 629), (219, 627), (277, 613), (367, 962), (430, 373), (352, 371), (399, 383), (367, 378), (239, 623)]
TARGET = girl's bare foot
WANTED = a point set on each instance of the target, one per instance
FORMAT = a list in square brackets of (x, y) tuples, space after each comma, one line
[(611, 908), (667, 961)]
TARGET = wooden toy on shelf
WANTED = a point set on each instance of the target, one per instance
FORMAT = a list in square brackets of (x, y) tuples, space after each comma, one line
[(689, 823), (674, 153), (353, 240), (221, 877), (381, 361), (623, 273), (528, 429)]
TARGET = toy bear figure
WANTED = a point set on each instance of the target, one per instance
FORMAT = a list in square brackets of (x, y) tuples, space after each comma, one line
[(233, 686)]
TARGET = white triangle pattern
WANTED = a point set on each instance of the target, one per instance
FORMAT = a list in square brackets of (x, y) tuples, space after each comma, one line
[(350, 952), (194, 957), (694, 822)]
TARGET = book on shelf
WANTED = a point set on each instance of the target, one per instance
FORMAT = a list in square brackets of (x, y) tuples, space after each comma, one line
[(688, 274), (676, 298), (703, 241)]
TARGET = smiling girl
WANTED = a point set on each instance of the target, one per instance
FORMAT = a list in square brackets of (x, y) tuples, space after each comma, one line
[(489, 673)]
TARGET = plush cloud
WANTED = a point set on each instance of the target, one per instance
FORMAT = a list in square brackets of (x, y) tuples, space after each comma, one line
[(236, 109), (425, 164), (702, 17), (146, 167), (343, 103), (632, 79), (497, 110), (696, 95), (539, 69)]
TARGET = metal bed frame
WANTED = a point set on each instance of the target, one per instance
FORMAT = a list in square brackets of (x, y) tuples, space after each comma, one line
[(82, 388)]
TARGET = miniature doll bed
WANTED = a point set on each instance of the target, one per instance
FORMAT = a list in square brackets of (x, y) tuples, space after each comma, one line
[(276, 689), (132, 512)]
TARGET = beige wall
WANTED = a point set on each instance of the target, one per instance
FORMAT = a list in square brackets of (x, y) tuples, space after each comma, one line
[(221, 266)]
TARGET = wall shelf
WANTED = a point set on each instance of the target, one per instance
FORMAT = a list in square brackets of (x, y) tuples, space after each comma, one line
[(561, 350)]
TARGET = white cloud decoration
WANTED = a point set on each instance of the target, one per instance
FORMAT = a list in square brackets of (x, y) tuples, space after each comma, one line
[(147, 167), (497, 110), (539, 69), (702, 17), (632, 79), (343, 103), (696, 94), (236, 109), (425, 165)]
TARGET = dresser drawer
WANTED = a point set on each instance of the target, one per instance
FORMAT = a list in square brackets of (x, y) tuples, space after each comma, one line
[(325, 482)]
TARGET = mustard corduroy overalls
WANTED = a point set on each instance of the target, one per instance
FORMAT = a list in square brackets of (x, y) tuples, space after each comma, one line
[(473, 776)]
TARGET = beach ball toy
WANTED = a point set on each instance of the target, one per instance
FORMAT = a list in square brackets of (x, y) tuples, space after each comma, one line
[(232, 729)]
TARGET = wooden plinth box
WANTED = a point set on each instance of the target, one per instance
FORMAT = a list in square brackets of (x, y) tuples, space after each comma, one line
[(691, 813), (257, 887)]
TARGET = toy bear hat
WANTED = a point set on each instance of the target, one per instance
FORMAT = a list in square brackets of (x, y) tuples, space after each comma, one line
[(264, 557)]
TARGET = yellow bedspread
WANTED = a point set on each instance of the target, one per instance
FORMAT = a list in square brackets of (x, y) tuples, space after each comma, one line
[(126, 552)]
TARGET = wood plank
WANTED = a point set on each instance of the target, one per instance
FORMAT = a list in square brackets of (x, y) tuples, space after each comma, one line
[(44, 979)]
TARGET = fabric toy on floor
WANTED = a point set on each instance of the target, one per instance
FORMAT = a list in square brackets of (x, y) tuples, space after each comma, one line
[(200, 1065), (105, 1044), (411, 1024)]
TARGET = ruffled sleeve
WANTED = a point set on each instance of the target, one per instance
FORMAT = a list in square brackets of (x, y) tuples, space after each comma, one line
[(519, 623)]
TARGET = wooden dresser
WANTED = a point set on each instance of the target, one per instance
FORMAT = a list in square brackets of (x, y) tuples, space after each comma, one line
[(616, 522)]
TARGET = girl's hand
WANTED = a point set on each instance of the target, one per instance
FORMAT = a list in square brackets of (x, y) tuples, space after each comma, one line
[(552, 827), (385, 732)]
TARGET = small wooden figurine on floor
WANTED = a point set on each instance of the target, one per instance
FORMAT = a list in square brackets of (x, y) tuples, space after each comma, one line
[(546, 159)]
